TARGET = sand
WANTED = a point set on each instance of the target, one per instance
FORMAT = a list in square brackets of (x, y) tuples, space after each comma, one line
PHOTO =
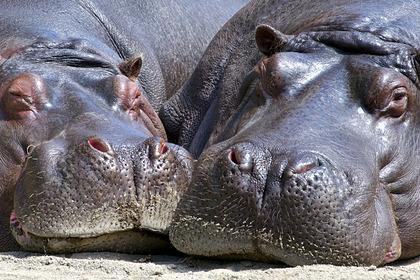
[(101, 266)]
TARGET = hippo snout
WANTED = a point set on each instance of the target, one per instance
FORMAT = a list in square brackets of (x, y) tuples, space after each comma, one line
[(91, 186), (292, 205), (153, 149), (242, 155), (255, 170)]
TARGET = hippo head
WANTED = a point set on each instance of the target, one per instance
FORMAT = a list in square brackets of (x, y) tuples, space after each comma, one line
[(320, 161), (84, 152)]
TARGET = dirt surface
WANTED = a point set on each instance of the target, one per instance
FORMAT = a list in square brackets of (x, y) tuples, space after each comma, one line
[(21, 265)]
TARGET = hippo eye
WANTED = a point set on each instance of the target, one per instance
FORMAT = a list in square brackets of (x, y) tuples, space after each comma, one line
[(17, 105), (398, 103), (23, 97)]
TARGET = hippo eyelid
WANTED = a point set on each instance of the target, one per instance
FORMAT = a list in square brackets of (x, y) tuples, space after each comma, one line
[(14, 92), (397, 104), (27, 99), (399, 93)]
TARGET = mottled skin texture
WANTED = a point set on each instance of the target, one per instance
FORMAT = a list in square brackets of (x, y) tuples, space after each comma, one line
[(307, 135), (83, 160)]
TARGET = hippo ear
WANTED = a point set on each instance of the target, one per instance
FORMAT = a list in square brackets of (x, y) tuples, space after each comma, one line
[(131, 67), (270, 40)]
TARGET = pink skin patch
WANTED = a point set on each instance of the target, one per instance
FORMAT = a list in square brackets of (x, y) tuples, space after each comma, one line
[(22, 233), (14, 222), (394, 252), (391, 256), (13, 218)]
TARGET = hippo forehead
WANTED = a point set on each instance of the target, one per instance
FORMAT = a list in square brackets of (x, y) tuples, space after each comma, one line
[(298, 87), (60, 62), (338, 61), (397, 55)]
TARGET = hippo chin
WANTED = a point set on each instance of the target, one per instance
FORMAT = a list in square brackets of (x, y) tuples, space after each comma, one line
[(84, 163), (309, 118)]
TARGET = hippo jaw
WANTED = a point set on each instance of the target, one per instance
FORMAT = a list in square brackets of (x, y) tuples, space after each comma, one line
[(298, 173)]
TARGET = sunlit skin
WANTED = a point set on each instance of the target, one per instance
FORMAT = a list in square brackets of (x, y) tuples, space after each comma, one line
[(307, 135)]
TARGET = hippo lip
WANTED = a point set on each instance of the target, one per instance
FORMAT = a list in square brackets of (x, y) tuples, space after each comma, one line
[(125, 241)]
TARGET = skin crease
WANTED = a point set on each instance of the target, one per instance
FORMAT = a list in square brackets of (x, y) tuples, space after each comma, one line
[(305, 124), (84, 162)]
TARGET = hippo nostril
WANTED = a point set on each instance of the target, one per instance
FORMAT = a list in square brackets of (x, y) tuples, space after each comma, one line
[(241, 158), (302, 168), (305, 163), (163, 148), (157, 148), (99, 145), (232, 157)]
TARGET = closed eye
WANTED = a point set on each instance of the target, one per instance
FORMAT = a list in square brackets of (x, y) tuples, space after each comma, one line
[(397, 105)]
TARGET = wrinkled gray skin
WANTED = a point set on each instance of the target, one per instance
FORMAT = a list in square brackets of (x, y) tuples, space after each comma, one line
[(310, 130), (80, 140)]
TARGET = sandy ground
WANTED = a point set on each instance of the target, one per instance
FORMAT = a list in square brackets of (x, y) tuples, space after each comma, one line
[(101, 266)]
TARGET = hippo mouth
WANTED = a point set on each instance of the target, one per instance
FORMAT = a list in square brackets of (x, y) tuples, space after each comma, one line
[(125, 241)]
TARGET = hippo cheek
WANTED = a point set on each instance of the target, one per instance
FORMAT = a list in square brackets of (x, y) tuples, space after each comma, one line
[(218, 213), (322, 217), (92, 196), (161, 177)]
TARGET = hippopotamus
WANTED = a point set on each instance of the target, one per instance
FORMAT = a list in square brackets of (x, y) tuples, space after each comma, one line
[(305, 119), (84, 161)]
